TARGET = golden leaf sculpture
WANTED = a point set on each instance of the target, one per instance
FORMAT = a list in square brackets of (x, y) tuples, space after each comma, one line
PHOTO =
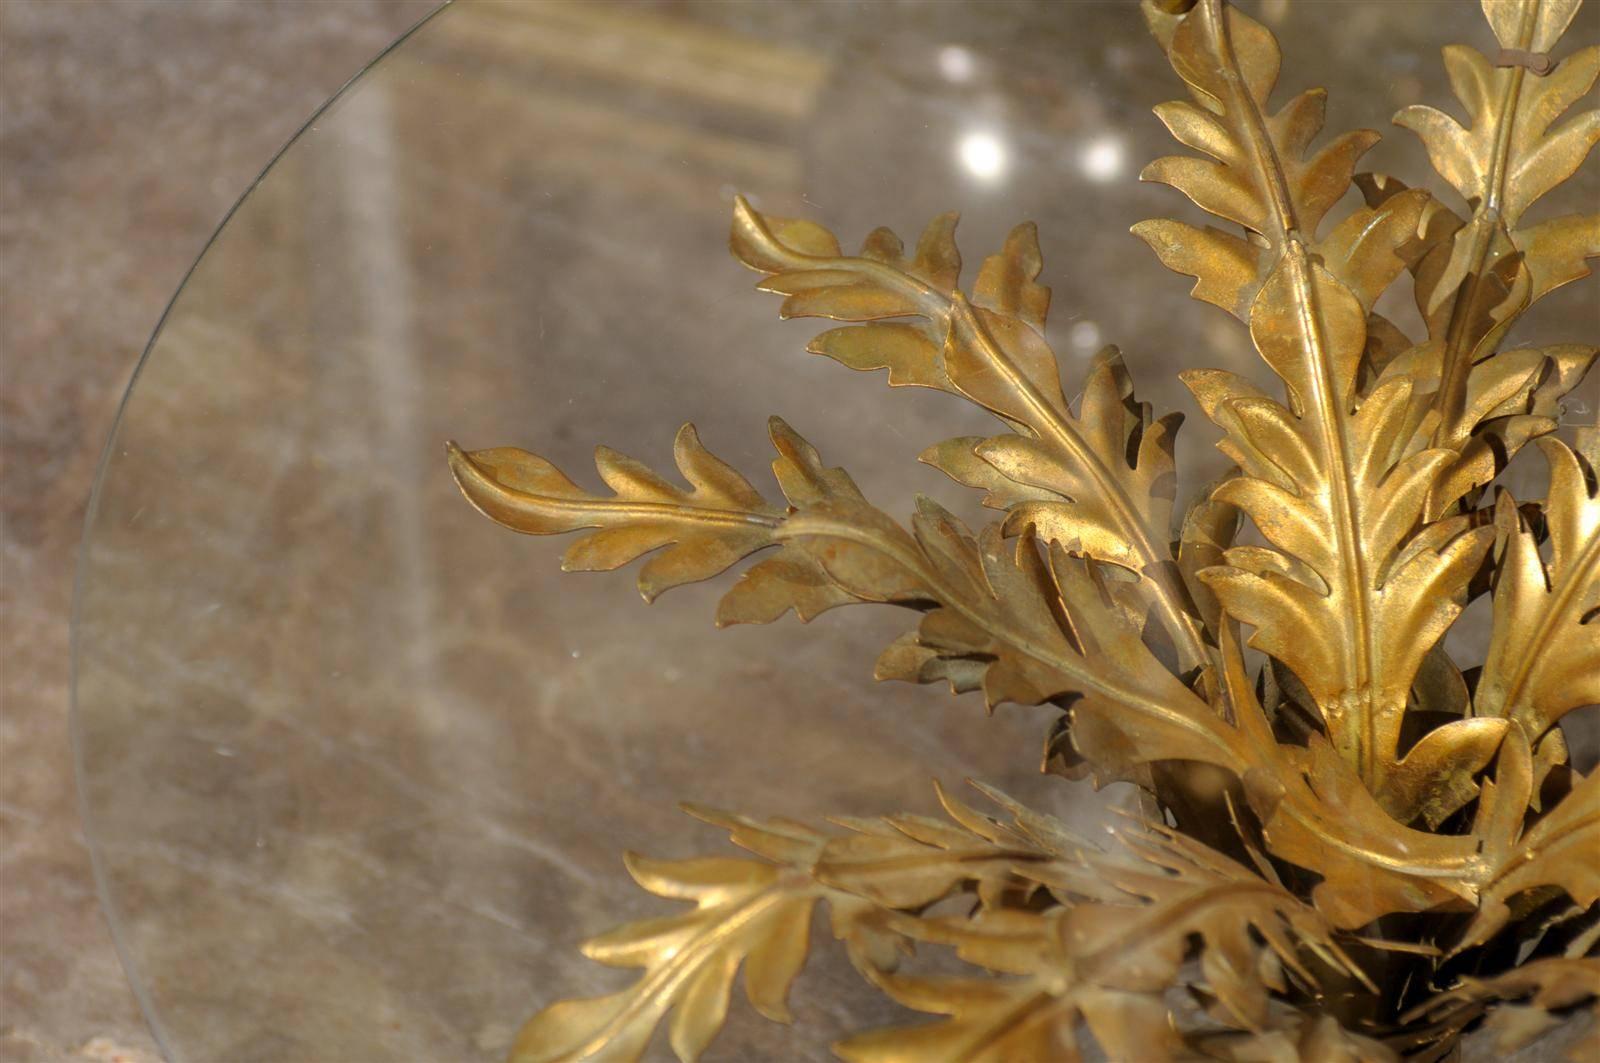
[(1401, 851)]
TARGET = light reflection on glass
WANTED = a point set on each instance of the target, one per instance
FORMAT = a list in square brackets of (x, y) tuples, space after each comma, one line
[(956, 64), (983, 156), (1102, 159), (1085, 337)]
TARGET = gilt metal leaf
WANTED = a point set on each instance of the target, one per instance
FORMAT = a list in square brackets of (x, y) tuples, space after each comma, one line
[(1544, 660), (1356, 844)]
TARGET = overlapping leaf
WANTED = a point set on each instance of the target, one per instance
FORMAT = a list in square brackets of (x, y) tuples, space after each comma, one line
[(1352, 597), (994, 619), (1253, 933), (1544, 656), (1509, 154), (1556, 851), (1299, 1038), (1034, 1014), (1522, 1004), (1357, 590), (1259, 172), (1503, 399), (757, 914), (1102, 964), (1000, 623), (1100, 480), (1024, 626), (1364, 479), (1316, 813)]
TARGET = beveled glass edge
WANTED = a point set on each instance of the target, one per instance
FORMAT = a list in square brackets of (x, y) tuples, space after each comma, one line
[(108, 906)]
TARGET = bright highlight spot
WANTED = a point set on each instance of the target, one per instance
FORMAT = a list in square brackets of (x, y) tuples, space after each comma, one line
[(956, 63), (1102, 159), (1085, 336), (983, 156)]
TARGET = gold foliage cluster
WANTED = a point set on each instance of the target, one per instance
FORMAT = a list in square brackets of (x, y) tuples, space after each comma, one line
[(1400, 851)]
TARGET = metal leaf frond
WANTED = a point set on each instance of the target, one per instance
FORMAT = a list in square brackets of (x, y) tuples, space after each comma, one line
[(1356, 843)]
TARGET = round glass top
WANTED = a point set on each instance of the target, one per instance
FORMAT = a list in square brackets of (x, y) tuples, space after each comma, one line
[(359, 766)]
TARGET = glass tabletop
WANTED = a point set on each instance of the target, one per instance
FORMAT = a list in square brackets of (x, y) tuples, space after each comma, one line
[(358, 766)]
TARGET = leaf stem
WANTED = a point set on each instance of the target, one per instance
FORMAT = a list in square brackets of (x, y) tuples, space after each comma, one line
[(1451, 399), (1332, 421), (1205, 726), (487, 484), (948, 309), (953, 310)]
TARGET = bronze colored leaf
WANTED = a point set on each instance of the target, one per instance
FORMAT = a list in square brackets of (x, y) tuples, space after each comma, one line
[(1103, 963), (819, 281), (1485, 163), (1544, 657), (1226, 268), (705, 529), (1557, 251), (758, 914), (1032, 1016), (910, 862), (1356, 597), (1535, 26), (1209, 529), (1435, 778), (1343, 604), (1190, 891), (998, 602), (958, 459), (1558, 850), (1504, 160), (990, 349), (1512, 397), (1008, 282), (904, 350), (1258, 174), (1367, 250), (1542, 987), (1112, 426), (746, 913), (1316, 814), (1339, 829)]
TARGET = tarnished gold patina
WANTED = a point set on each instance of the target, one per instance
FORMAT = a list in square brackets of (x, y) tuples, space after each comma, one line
[(1372, 849)]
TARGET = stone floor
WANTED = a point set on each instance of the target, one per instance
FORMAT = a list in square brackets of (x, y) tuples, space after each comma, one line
[(127, 128)]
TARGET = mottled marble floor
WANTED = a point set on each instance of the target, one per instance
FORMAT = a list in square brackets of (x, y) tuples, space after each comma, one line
[(127, 128)]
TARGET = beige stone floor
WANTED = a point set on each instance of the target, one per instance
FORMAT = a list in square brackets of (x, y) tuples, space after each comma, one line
[(127, 128)]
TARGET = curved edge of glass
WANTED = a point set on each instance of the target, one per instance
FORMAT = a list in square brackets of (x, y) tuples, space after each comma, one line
[(97, 865)]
